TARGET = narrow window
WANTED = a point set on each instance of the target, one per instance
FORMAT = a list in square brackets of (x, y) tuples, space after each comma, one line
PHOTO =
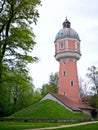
[(62, 45), (64, 73), (72, 83), (64, 93), (78, 47)]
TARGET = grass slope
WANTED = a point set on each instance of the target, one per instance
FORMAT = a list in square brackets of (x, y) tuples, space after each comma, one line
[(46, 109)]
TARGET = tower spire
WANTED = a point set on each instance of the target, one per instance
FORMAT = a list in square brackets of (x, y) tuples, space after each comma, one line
[(66, 23)]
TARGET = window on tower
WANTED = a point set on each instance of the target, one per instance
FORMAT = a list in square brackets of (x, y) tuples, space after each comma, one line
[(62, 45), (78, 47), (64, 73), (72, 83), (64, 93)]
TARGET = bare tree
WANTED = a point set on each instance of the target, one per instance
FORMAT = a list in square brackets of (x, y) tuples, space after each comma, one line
[(93, 78), (84, 88)]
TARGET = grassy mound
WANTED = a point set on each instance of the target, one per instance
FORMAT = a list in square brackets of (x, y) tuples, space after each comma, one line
[(46, 109)]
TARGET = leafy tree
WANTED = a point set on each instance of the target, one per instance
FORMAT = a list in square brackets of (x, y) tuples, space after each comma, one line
[(16, 36), (93, 76), (16, 43), (17, 91), (52, 85), (53, 79), (4, 100), (21, 88), (94, 101), (37, 95)]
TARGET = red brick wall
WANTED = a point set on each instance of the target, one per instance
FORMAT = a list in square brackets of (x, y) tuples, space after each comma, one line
[(69, 65)]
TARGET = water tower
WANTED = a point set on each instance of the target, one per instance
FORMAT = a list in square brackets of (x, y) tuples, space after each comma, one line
[(67, 53)]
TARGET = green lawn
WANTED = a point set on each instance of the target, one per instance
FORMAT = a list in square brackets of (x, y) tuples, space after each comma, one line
[(26, 125), (83, 127), (29, 125), (47, 109)]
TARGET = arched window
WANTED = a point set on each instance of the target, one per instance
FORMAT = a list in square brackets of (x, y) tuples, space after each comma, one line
[(72, 83), (64, 73), (64, 93)]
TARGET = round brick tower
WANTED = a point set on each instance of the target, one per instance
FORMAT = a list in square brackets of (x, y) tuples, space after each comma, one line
[(67, 52)]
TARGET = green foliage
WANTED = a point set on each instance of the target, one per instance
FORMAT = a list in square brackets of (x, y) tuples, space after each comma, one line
[(37, 95), (17, 92), (51, 86), (53, 79), (46, 88), (16, 35), (83, 127), (46, 109), (94, 101), (29, 125), (16, 43), (4, 101)]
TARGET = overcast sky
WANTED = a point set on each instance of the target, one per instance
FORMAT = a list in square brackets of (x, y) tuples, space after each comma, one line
[(83, 15)]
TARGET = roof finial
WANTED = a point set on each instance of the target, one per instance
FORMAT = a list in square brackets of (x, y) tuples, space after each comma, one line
[(66, 23)]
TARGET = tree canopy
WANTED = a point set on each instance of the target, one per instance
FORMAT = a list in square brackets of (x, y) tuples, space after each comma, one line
[(52, 85), (17, 41), (16, 36)]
